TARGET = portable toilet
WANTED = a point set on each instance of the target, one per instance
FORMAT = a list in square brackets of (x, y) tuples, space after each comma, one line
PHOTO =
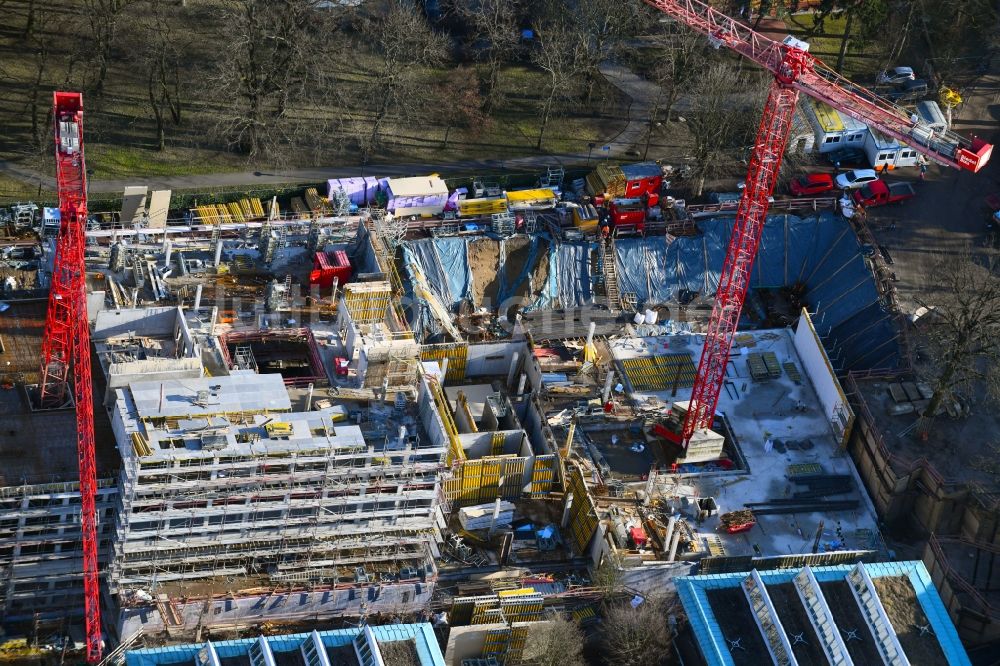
[(885, 151)]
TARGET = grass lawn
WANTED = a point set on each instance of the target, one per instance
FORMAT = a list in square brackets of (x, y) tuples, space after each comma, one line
[(860, 65), (114, 162)]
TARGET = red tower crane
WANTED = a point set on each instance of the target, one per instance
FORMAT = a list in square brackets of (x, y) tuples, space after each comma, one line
[(66, 344), (795, 70)]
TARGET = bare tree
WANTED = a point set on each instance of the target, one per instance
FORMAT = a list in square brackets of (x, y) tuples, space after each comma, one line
[(39, 46), (608, 577), (104, 17), (679, 59), (494, 39), (274, 58), (963, 333), (555, 642), (403, 45), (459, 103), (723, 122), (158, 51), (562, 55), (638, 636), (604, 24), (398, 653)]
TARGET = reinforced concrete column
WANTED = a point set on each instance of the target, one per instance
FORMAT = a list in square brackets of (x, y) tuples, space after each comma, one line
[(607, 387), (565, 517), (197, 296), (673, 546), (513, 369)]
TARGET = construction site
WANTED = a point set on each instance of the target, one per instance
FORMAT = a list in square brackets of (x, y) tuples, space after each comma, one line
[(447, 406)]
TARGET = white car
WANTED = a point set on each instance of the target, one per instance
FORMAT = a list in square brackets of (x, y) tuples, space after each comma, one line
[(896, 75), (850, 180)]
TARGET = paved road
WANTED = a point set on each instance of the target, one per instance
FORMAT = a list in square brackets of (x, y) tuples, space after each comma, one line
[(641, 92), (947, 217)]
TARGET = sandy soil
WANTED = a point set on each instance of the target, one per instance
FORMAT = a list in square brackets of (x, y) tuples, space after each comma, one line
[(518, 251), (484, 258), (906, 615)]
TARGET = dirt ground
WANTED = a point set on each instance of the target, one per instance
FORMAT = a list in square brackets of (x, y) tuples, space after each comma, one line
[(484, 261), (484, 258), (848, 617), (734, 617), (906, 615), (948, 216), (796, 622)]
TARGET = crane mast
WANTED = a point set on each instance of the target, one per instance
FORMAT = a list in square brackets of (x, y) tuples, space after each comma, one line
[(66, 345), (795, 70)]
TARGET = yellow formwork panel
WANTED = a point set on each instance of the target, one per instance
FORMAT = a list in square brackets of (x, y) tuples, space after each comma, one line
[(582, 512), (660, 373), (367, 307), (543, 476), (479, 481), (455, 450), (496, 443), (457, 354)]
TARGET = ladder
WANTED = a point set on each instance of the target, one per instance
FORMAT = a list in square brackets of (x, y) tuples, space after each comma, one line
[(606, 265)]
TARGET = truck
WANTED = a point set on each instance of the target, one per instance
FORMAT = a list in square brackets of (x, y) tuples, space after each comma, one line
[(880, 193), (628, 215)]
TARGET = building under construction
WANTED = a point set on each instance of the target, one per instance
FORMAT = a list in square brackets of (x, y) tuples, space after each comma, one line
[(224, 487), (283, 446)]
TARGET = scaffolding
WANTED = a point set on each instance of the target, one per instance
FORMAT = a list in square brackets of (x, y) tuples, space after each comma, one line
[(270, 512)]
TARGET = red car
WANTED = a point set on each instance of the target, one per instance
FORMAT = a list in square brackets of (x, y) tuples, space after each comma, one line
[(811, 184)]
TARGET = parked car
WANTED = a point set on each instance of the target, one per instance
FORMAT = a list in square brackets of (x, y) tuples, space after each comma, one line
[(846, 156), (855, 178), (910, 91), (895, 75), (881, 193), (811, 184)]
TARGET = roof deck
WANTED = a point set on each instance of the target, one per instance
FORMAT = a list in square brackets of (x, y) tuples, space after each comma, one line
[(780, 434)]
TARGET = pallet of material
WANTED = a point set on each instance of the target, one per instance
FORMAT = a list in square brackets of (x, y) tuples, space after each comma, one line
[(772, 365), (757, 368), (299, 206), (792, 372), (315, 202)]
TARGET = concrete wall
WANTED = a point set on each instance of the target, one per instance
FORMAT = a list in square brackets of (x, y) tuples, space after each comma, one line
[(151, 322), (817, 368), (95, 303), (221, 613), (429, 417), (477, 444), (494, 358), (467, 642)]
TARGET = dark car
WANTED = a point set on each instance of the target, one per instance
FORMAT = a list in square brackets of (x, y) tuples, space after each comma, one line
[(846, 157), (811, 184)]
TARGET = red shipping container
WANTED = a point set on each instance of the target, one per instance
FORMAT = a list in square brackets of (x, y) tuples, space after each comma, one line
[(330, 265)]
